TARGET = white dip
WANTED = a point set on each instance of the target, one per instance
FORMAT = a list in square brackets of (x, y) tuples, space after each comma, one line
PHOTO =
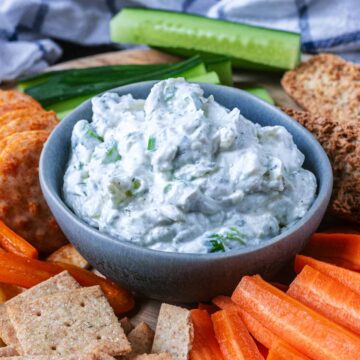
[(180, 172)]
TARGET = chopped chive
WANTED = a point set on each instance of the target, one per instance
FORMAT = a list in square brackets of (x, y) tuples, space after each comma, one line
[(94, 135), (112, 155), (128, 193), (216, 246), (151, 144), (136, 184), (167, 188), (233, 235)]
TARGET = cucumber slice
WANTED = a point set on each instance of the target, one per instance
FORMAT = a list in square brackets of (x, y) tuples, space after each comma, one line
[(223, 71), (171, 29), (210, 78), (198, 70), (260, 93), (219, 63)]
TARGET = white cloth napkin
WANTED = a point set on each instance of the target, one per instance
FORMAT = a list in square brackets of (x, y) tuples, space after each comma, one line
[(27, 26)]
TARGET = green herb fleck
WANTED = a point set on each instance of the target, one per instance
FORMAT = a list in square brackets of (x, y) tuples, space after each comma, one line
[(94, 135), (136, 184), (151, 144), (128, 193), (233, 235), (167, 188), (216, 246), (112, 155)]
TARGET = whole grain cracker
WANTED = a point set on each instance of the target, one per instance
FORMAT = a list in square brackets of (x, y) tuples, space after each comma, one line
[(61, 282), (174, 332), (342, 145), (162, 356), (78, 321), (326, 85), (8, 351), (69, 255), (126, 324), (141, 340)]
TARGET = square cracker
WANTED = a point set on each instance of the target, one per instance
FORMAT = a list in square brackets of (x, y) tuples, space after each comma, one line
[(100, 356), (141, 339), (7, 351), (174, 332), (163, 356), (78, 321), (61, 282)]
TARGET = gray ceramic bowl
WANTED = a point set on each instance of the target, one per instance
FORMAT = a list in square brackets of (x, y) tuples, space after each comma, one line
[(177, 277)]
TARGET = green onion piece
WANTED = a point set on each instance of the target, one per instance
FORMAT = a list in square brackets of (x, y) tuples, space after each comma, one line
[(216, 246), (94, 135), (167, 188), (151, 144), (136, 184), (112, 155)]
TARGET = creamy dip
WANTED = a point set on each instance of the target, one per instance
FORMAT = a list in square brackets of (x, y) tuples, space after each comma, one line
[(180, 172)]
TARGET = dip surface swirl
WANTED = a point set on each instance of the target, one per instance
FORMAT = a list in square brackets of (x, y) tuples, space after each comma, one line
[(179, 172)]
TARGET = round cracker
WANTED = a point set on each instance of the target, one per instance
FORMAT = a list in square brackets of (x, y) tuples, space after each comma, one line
[(22, 205), (39, 120), (13, 99), (22, 114)]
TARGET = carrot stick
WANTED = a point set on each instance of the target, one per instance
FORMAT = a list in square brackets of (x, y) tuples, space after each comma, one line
[(27, 272), (233, 337), (339, 249), (301, 327), (349, 278), (263, 335), (14, 243), (282, 351), (327, 296), (208, 307), (205, 345)]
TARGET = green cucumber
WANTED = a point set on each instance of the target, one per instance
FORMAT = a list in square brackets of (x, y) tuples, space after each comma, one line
[(223, 71), (210, 78), (260, 93), (219, 63), (270, 47)]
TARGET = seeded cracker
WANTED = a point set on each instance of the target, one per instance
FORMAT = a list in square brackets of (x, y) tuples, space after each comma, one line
[(78, 321)]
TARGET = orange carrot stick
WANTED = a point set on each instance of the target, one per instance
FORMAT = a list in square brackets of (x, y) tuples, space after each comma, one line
[(339, 249), (301, 327), (27, 272), (14, 243), (327, 296), (282, 351), (349, 278), (263, 335), (233, 337), (205, 345)]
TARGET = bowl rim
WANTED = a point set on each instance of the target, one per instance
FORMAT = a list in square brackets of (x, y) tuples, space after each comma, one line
[(322, 197)]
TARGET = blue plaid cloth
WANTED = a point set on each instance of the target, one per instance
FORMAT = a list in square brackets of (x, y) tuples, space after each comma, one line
[(27, 27)]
